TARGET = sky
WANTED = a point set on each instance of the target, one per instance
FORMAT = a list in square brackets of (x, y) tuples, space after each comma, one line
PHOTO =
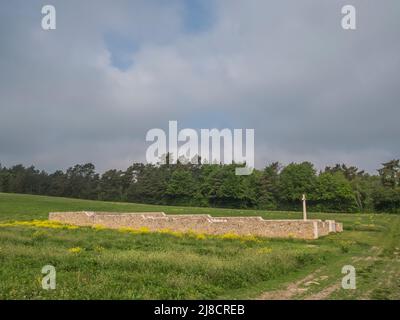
[(90, 90)]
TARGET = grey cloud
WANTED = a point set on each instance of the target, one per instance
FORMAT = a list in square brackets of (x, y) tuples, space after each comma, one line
[(311, 90)]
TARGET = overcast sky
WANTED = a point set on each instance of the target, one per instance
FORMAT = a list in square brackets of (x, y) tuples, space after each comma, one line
[(91, 89)]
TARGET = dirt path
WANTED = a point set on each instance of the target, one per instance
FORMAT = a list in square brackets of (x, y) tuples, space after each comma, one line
[(322, 283), (377, 273), (325, 293), (297, 288), (310, 287)]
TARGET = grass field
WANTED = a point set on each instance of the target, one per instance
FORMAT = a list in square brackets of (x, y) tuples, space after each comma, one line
[(111, 264)]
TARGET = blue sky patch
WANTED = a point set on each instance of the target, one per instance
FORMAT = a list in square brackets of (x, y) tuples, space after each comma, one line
[(122, 49), (199, 15)]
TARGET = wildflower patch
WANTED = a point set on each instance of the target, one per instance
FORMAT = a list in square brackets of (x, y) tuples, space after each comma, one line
[(39, 224)]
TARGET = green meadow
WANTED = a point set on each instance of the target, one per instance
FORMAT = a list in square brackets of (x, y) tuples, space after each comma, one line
[(95, 263)]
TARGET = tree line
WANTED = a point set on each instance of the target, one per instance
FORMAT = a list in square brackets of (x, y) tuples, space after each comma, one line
[(338, 188)]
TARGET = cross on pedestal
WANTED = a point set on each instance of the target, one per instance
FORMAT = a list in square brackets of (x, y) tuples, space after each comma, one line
[(304, 207)]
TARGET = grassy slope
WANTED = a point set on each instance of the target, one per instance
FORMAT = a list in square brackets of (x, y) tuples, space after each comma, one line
[(119, 265), (19, 206)]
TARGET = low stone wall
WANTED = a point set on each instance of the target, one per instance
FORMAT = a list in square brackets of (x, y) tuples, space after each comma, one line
[(155, 221)]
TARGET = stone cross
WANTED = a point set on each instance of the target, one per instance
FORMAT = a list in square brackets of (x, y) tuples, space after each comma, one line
[(304, 207)]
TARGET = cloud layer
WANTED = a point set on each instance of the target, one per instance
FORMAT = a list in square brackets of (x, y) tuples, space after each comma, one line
[(112, 70)]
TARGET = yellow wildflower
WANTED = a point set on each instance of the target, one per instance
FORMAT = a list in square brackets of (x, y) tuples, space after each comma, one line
[(75, 250), (98, 227)]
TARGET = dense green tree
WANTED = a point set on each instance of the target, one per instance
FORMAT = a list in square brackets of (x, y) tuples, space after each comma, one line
[(58, 182), (350, 173), (363, 187), (334, 193), (267, 186), (182, 188), (390, 173), (82, 181), (111, 186), (5, 180), (295, 180), (339, 188), (224, 188), (149, 185), (387, 199)]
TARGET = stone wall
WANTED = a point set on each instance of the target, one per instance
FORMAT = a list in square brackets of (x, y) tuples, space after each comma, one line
[(154, 221)]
